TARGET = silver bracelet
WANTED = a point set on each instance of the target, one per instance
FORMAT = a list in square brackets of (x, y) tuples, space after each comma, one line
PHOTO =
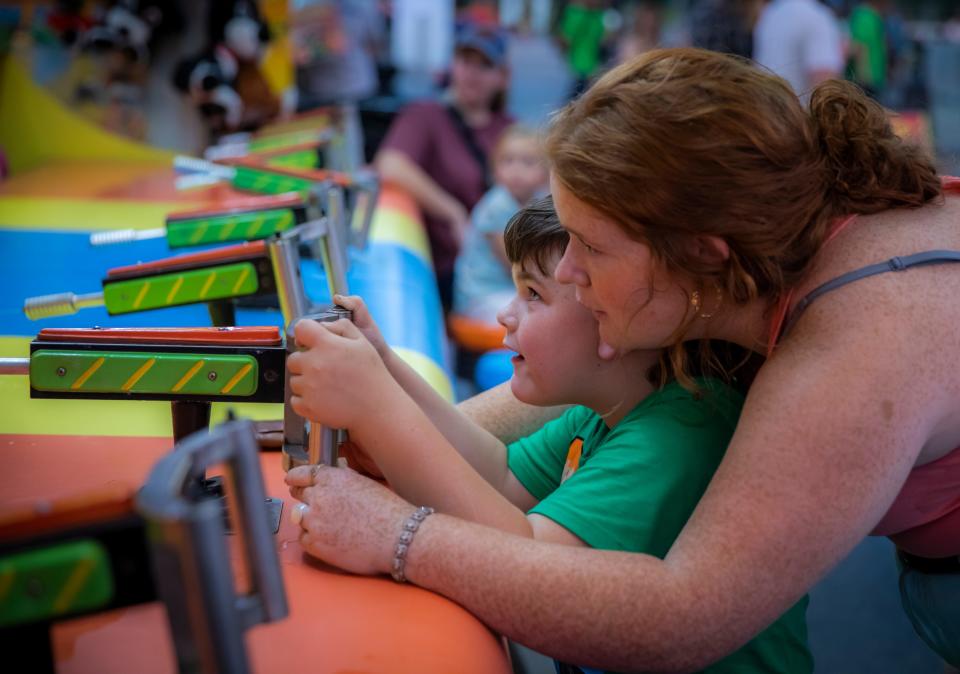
[(406, 538)]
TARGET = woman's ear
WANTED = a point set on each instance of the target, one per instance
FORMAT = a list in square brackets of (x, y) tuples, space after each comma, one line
[(710, 249)]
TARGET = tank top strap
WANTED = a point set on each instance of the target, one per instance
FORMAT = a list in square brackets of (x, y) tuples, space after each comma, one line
[(893, 264), (780, 323)]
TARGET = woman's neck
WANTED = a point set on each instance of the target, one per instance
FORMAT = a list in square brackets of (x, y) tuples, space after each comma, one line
[(475, 116), (621, 386), (747, 325)]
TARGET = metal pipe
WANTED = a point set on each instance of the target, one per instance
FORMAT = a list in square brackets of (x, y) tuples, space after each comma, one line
[(15, 366)]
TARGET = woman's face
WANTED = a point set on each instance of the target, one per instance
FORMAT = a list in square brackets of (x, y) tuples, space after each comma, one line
[(474, 79), (635, 301)]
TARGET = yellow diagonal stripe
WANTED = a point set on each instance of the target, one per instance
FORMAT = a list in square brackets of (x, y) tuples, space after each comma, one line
[(228, 230), (240, 279), (6, 582), (136, 376), (141, 295), (82, 379), (202, 227), (188, 376), (254, 227), (174, 290), (73, 585), (206, 286), (236, 378)]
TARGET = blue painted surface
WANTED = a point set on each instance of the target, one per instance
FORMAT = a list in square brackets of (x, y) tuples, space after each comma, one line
[(397, 285), (493, 368)]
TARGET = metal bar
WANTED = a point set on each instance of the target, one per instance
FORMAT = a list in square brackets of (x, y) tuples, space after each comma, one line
[(14, 366)]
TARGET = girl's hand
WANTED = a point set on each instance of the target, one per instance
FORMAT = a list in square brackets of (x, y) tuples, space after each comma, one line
[(364, 321), (360, 461), (339, 379), (350, 521)]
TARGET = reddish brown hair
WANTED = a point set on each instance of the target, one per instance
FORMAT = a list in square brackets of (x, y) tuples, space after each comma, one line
[(683, 142)]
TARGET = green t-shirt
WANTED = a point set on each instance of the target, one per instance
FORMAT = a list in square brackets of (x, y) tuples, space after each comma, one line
[(583, 30), (869, 35), (634, 486)]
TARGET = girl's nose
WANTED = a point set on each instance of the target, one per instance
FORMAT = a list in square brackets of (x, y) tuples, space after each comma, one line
[(507, 318)]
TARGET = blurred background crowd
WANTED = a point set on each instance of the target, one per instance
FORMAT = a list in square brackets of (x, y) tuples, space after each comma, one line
[(133, 64)]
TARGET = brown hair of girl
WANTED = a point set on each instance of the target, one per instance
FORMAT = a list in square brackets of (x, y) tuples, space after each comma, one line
[(685, 142)]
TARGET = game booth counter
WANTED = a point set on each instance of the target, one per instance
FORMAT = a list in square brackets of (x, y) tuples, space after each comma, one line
[(76, 528)]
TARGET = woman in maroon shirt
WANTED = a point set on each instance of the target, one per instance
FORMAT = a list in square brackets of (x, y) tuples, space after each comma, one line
[(437, 150)]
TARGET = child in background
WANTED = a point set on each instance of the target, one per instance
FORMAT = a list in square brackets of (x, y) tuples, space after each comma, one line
[(621, 470), (482, 281)]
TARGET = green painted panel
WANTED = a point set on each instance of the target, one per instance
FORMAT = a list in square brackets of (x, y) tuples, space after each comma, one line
[(178, 288), (265, 182), (302, 159), (234, 227), (278, 141), (53, 581), (206, 375)]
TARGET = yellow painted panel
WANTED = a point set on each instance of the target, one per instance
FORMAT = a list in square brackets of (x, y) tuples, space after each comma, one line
[(35, 128)]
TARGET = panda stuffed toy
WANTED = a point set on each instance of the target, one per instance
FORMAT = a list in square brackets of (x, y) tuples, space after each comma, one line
[(225, 80)]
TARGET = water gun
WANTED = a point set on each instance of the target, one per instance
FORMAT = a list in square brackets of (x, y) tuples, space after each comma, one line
[(245, 220), (107, 551), (216, 277), (306, 148), (190, 367), (361, 189)]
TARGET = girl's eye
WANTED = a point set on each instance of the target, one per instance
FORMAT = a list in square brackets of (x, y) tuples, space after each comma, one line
[(532, 294)]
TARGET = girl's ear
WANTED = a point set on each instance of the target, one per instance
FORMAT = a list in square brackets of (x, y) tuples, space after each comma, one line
[(710, 249)]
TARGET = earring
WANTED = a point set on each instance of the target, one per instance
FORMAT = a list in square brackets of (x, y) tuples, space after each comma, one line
[(697, 302)]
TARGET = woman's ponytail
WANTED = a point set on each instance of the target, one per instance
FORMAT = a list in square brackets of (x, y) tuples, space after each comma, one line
[(867, 167)]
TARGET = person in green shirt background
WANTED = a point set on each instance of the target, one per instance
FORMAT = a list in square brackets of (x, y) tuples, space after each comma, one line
[(869, 60), (583, 33), (622, 470)]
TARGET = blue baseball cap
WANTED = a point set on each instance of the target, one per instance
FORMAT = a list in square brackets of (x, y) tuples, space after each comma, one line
[(489, 41)]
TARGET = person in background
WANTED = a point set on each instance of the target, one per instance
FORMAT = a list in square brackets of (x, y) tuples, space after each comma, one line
[(482, 281), (868, 47), (642, 31), (800, 41), (438, 150), (335, 43), (724, 25), (583, 34)]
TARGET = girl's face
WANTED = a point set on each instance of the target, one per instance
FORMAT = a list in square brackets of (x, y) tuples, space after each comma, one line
[(475, 80), (637, 304), (555, 339)]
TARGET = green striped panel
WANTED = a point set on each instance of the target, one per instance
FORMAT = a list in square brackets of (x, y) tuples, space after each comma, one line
[(49, 582), (303, 159), (278, 141), (207, 375), (265, 182), (233, 227), (177, 288)]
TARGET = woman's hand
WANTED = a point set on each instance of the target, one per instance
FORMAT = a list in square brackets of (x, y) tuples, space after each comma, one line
[(350, 521), (339, 379), (364, 322)]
